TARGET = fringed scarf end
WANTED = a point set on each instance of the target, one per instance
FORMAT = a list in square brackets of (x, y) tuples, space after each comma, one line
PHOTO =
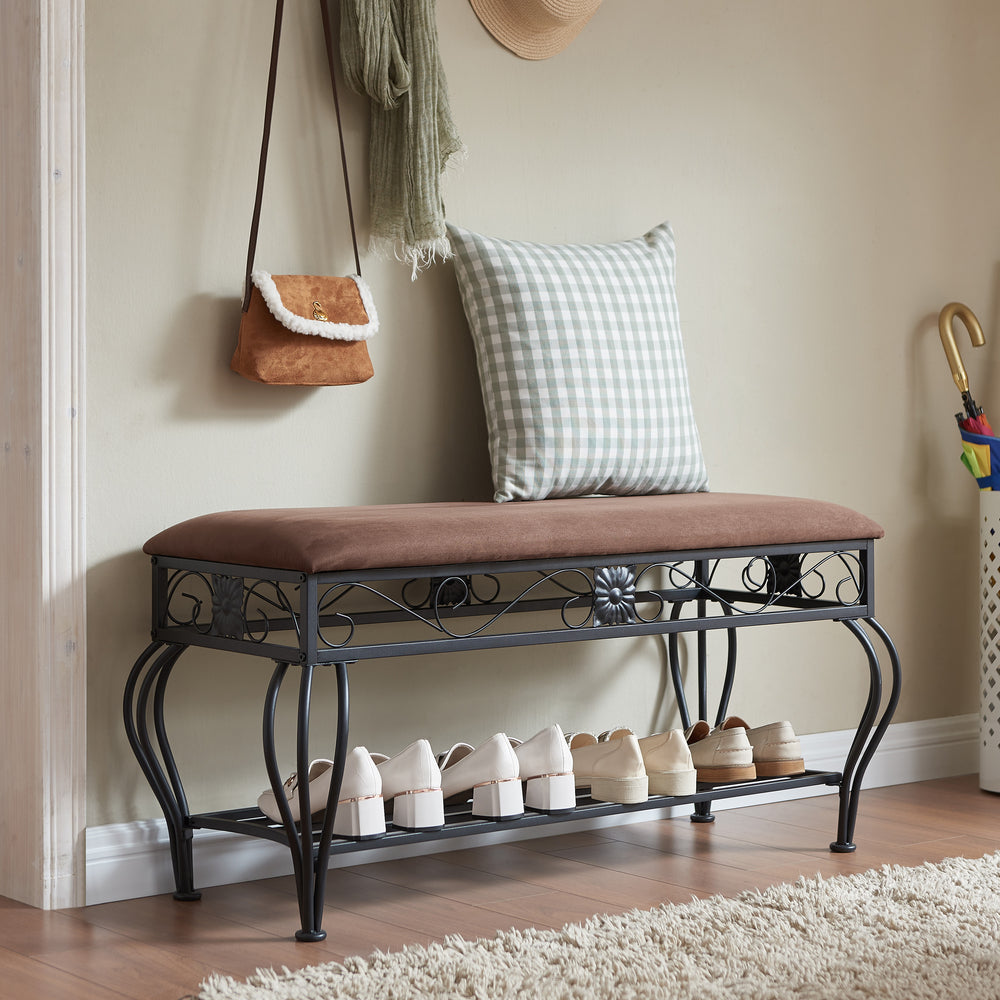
[(419, 256)]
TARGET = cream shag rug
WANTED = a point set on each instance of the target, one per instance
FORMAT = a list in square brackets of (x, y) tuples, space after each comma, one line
[(896, 934)]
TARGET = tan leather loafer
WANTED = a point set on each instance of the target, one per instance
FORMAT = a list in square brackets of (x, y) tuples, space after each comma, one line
[(723, 755), (777, 752)]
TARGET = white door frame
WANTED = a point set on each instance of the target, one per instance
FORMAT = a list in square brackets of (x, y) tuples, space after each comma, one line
[(42, 483)]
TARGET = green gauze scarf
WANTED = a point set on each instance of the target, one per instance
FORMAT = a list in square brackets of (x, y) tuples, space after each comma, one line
[(390, 53)]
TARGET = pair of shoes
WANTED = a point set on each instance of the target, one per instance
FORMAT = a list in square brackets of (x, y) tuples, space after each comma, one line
[(411, 780), (734, 752), (496, 770), (619, 767)]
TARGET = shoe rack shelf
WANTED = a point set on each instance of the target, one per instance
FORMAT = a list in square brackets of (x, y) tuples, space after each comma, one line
[(459, 821), (306, 622)]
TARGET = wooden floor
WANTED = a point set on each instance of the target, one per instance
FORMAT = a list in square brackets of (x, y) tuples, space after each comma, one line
[(159, 949)]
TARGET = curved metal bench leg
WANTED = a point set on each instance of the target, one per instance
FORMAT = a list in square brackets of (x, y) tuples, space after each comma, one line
[(869, 734), (309, 865), (702, 810), (339, 757), (153, 667), (674, 659)]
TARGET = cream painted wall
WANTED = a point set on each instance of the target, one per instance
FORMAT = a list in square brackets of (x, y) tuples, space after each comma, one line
[(830, 172)]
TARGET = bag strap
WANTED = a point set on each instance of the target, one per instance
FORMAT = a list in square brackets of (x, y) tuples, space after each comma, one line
[(268, 109)]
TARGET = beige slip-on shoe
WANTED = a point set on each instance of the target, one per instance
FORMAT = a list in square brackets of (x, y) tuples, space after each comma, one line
[(360, 812), (777, 752), (668, 763), (546, 768), (412, 781), (491, 771), (613, 769), (721, 755)]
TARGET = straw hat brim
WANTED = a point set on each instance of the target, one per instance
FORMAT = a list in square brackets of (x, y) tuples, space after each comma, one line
[(507, 22)]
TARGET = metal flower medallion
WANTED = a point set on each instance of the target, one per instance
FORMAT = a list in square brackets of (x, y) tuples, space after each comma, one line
[(614, 595), (227, 605)]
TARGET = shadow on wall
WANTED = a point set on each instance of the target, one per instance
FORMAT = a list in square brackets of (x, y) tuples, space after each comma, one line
[(198, 345), (117, 631), (213, 706), (424, 400), (428, 417), (942, 555)]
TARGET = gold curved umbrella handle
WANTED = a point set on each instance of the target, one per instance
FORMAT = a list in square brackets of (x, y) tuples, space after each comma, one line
[(946, 328)]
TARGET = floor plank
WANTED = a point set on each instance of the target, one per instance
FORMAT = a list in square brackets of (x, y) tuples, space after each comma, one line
[(160, 949)]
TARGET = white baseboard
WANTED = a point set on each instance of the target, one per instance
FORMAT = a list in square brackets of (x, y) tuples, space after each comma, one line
[(129, 860)]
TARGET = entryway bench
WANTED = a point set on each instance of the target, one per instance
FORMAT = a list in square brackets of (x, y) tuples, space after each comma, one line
[(331, 587)]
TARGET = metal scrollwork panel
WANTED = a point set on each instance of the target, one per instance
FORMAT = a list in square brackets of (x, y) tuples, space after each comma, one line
[(762, 583), (234, 607), (435, 609)]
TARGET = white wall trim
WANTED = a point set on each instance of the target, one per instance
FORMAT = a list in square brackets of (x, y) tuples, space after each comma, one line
[(129, 860), (62, 658), (42, 587)]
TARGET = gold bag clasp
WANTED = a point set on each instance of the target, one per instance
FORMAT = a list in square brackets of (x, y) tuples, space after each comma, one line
[(319, 312)]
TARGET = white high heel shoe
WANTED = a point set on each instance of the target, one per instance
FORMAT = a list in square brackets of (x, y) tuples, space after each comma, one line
[(546, 768), (412, 780), (491, 771), (320, 773), (360, 813)]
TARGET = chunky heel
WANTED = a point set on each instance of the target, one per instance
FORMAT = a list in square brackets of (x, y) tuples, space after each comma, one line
[(499, 800), (360, 819), (421, 810), (551, 793), (673, 782), (623, 790)]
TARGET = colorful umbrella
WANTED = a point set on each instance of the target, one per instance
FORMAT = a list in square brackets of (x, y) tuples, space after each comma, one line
[(980, 447)]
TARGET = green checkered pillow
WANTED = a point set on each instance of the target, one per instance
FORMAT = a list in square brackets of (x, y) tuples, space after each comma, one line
[(582, 366)]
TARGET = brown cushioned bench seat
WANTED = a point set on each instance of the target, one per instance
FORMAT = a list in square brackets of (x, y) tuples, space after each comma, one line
[(330, 539)]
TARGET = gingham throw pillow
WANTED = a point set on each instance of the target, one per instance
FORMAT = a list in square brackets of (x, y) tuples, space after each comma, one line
[(582, 366)]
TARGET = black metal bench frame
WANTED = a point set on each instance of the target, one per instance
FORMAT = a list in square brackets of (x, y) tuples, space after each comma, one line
[(315, 620)]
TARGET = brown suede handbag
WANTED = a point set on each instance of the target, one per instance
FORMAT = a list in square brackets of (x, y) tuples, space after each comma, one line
[(299, 329)]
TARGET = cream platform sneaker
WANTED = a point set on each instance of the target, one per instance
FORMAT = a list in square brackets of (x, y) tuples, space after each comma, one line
[(776, 749), (668, 763), (412, 780), (613, 769), (546, 767), (360, 813), (721, 755), (491, 771)]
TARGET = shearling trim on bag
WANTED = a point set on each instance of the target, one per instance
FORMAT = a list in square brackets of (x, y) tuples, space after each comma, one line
[(316, 327)]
